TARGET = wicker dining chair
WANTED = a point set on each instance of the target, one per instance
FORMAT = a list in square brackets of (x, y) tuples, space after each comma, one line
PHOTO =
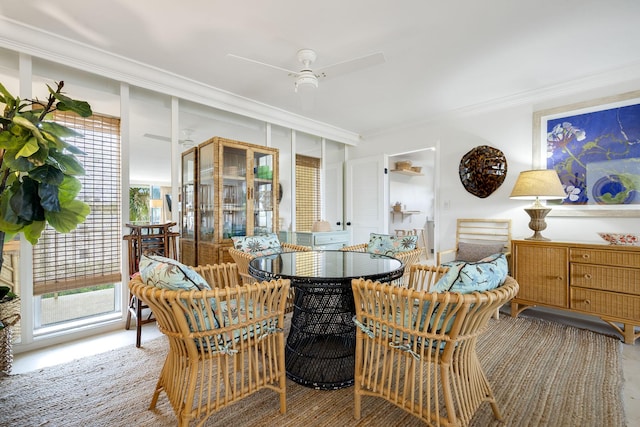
[(225, 344), (409, 258), (417, 350), (242, 259)]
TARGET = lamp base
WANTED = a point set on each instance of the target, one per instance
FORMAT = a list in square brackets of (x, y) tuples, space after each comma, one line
[(537, 223)]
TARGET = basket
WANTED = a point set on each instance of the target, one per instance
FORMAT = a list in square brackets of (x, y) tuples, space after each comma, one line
[(6, 350), (417, 169), (404, 165)]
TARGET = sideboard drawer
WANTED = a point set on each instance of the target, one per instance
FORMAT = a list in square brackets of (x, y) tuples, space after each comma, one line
[(304, 239), (323, 240), (616, 279), (604, 257), (327, 239), (606, 303)]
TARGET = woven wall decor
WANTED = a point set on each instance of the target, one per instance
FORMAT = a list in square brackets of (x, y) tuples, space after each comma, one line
[(483, 170)]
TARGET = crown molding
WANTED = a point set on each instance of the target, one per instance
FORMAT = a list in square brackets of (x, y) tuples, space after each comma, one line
[(29, 40), (548, 95)]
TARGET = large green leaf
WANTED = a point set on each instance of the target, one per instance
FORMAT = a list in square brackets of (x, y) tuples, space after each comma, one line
[(20, 164), (69, 164), (33, 231), (49, 197), (25, 201), (59, 130), (72, 214), (81, 108), (9, 221), (47, 174), (23, 120), (30, 147), (69, 189), (5, 93)]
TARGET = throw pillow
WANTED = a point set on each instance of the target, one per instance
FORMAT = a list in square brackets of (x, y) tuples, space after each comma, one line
[(473, 252), (167, 273), (467, 277), (260, 245), (384, 244)]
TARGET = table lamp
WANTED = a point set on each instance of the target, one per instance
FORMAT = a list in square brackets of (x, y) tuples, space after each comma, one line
[(541, 184)]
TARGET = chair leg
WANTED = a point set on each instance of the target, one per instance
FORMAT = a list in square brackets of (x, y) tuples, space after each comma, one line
[(131, 303), (138, 323)]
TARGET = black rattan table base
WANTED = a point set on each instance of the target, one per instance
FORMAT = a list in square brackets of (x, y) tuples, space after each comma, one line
[(320, 348)]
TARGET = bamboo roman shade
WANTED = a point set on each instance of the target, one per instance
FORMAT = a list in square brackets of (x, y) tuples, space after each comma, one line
[(91, 254), (307, 192)]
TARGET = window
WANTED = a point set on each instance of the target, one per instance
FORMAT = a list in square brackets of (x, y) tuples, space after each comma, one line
[(307, 192), (77, 275)]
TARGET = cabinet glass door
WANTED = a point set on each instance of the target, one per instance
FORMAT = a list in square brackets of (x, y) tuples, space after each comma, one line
[(264, 193), (234, 191), (188, 202), (206, 193)]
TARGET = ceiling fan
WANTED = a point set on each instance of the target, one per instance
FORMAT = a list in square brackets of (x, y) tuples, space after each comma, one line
[(308, 78), (186, 141)]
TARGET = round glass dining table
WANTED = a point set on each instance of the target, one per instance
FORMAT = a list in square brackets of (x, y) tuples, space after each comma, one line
[(320, 349)]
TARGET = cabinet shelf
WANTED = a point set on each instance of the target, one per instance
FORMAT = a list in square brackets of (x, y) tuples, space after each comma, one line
[(234, 177), (407, 172)]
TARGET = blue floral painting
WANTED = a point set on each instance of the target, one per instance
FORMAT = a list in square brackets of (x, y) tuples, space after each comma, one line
[(597, 156)]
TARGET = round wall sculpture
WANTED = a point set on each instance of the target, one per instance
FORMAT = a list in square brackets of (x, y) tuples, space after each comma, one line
[(483, 170)]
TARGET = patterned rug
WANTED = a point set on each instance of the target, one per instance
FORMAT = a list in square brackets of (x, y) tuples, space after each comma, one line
[(542, 374)]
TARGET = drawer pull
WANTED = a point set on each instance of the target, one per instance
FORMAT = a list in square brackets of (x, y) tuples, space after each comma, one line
[(587, 302), (588, 276), (560, 278), (586, 256)]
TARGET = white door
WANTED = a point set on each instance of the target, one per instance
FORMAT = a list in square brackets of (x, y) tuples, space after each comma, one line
[(366, 197)]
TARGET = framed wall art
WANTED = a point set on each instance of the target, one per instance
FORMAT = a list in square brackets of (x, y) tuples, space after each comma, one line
[(594, 147)]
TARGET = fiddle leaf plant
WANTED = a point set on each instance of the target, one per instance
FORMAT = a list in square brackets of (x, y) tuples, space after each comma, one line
[(38, 168)]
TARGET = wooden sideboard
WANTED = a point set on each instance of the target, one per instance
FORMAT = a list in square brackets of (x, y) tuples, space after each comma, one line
[(596, 279)]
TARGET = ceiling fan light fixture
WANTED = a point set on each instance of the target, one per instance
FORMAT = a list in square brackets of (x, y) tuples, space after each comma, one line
[(187, 143), (306, 80)]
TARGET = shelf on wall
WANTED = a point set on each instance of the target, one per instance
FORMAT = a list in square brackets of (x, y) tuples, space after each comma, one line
[(407, 172), (404, 213)]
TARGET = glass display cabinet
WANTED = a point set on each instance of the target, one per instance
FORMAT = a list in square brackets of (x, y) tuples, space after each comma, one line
[(236, 195)]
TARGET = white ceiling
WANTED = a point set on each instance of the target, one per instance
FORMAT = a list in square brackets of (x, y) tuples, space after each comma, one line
[(441, 56)]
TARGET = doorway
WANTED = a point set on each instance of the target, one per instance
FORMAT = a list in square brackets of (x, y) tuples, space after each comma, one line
[(412, 197)]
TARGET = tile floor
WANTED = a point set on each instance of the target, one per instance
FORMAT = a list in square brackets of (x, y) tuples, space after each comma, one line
[(62, 353)]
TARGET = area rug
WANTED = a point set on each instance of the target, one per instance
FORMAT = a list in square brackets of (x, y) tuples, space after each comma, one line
[(542, 374)]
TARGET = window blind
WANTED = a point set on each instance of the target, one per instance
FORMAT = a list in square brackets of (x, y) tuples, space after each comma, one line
[(307, 192), (90, 254)]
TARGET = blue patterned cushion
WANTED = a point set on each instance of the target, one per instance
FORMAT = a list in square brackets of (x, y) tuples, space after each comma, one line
[(384, 244), (267, 244), (233, 312), (167, 273), (467, 277)]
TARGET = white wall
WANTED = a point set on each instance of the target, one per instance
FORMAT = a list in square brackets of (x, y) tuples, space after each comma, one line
[(508, 128)]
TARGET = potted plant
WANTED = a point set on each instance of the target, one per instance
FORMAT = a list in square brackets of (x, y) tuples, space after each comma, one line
[(9, 316), (38, 183), (38, 168)]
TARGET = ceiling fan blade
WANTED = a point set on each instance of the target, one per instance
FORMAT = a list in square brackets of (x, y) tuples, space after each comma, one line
[(158, 137), (186, 142), (350, 65), (242, 58)]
